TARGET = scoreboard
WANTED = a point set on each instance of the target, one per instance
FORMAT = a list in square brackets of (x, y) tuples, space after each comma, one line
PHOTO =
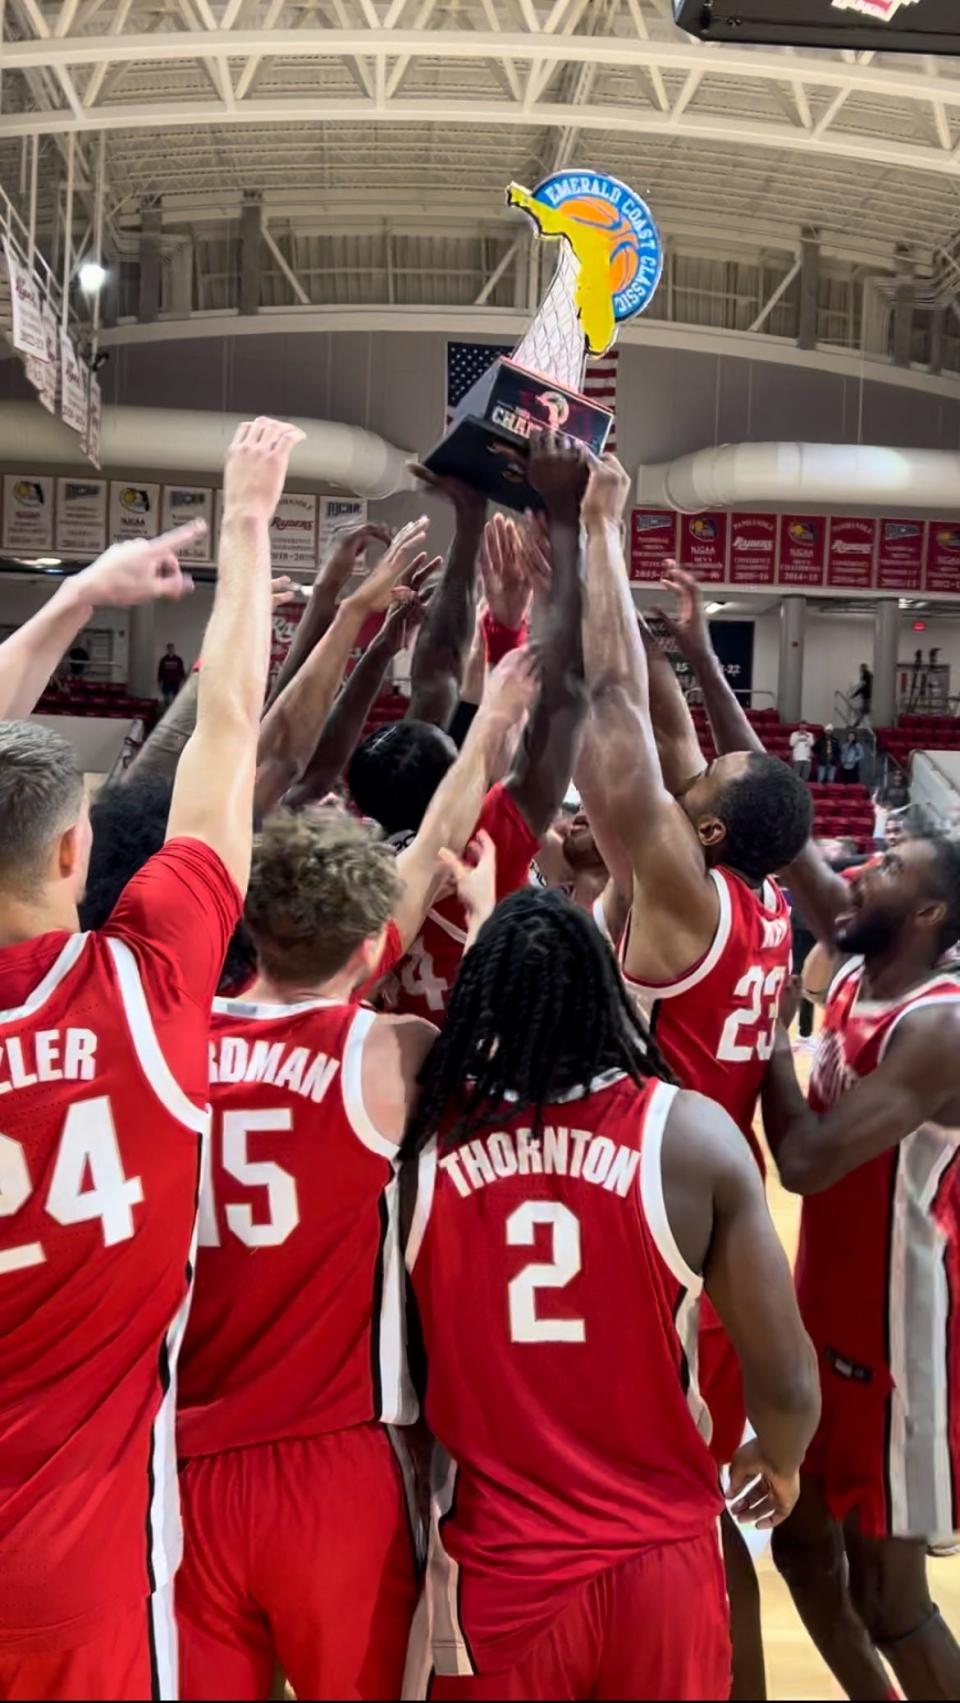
[(885, 26)]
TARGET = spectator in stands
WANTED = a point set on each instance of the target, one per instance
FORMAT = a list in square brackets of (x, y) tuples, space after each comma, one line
[(170, 675), (801, 747), (851, 756), (898, 791), (862, 693), (826, 751), (79, 658)]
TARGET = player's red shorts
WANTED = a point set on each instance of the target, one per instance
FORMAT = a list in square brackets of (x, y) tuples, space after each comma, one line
[(296, 1552), (721, 1386), (872, 1459), (655, 1627), (133, 1657)]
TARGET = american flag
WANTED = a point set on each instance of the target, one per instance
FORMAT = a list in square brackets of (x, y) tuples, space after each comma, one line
[(600, 386), (466, 362)]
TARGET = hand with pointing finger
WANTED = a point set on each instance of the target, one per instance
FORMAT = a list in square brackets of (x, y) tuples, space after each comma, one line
[(140, 570)]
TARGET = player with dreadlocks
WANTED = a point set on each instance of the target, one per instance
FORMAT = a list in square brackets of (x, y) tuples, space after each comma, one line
[(576, 1203)]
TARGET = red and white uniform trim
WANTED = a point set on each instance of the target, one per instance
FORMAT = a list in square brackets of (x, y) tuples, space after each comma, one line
[(573, 1462), (878, 1280)]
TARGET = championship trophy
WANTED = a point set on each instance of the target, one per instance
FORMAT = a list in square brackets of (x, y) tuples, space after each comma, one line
[(609, 266)]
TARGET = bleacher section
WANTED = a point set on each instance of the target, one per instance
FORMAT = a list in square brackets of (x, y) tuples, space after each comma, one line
[(95, 698), (919, 733)]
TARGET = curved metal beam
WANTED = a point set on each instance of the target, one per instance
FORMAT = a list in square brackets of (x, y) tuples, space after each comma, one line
[(691, 125), (779, 65)]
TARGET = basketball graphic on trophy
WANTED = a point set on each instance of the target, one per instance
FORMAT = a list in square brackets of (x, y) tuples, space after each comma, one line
[(609, 265)]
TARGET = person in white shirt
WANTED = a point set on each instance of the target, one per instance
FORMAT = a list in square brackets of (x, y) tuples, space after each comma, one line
[(801, 746)]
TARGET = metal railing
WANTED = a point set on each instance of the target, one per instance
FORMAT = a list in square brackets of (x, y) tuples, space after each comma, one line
[(22, 234), (694, 695)]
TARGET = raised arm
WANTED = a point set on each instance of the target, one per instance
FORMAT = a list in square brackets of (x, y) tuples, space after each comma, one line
[(821, 893), (342, 560), (453, 811), (681, 757), (915, 1082), (717, 1211), (291, 725), (213, 793), (630, 802), (166, 744), (545, 757), (438, 662), (344, 726), (142, 570)]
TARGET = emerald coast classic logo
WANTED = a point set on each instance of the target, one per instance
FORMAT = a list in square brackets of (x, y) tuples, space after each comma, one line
[(614, 240)]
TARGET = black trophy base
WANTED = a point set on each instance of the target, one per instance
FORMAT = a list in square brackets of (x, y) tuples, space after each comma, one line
[(488, 444)]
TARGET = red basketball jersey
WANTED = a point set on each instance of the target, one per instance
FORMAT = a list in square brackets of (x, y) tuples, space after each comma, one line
[(716, 1025), (103, 1079), (297, 1323), (559, 1324), (878, 1268), (421, 986)]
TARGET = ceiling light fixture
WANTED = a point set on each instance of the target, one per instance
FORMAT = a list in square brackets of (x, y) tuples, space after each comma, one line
[(92, 277)]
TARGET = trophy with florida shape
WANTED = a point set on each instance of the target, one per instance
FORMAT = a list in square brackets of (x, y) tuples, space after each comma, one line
[(609, 266)]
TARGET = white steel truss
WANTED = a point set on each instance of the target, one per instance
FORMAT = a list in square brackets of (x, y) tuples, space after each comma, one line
[(378, 136)]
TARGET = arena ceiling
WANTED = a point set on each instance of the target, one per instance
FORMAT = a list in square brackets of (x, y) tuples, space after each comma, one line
[(379, 136)]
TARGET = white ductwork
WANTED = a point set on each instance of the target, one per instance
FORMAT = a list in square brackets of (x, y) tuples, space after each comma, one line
[(188, 441), (820, 474)]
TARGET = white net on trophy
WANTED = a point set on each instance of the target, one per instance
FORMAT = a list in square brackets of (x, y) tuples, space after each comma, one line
[(555, 346)]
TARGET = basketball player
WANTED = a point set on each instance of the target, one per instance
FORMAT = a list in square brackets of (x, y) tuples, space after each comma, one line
[(574, 1548), (395, 772), (298, 1547), (877, 1275), (853, 1514), (104, 1073), (129, 822), (710, 952)]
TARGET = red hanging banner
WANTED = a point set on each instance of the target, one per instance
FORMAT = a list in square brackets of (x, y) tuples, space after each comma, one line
[(653, 539), (753, 548), (943, 556), (703, 545), (803, 549), (900, 555), (850, 552)]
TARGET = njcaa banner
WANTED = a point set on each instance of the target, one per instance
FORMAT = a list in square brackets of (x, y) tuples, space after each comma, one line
[(799, 552), (134, 510), (183, 503), (27, 513)]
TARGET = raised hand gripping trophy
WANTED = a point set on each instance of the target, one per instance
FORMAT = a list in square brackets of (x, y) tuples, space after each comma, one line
[(610, 264)]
